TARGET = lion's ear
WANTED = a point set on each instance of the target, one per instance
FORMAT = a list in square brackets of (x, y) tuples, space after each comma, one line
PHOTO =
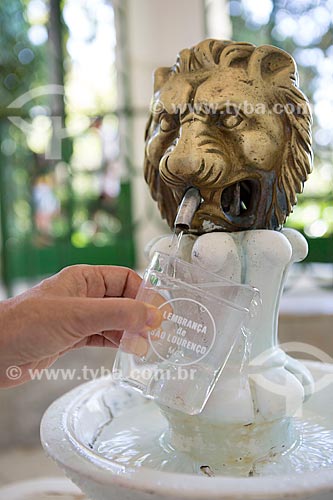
[(161, 75), (270, 63)]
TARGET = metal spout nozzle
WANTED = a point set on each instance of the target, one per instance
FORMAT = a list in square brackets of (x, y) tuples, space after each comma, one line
[(186, 211)]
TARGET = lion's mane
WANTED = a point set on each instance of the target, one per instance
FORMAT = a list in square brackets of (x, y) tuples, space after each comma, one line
[(268, 66)]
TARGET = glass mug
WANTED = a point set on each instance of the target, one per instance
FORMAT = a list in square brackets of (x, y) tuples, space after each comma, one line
[(178, 363)]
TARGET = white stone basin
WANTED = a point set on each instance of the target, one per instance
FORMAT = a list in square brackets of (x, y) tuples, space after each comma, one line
[(73, 425)]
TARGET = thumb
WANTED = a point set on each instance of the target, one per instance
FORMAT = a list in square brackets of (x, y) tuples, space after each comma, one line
[(90, 315)]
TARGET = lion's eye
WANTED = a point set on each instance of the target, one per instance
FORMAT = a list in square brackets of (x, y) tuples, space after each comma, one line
[(169, 123), (230, 120)]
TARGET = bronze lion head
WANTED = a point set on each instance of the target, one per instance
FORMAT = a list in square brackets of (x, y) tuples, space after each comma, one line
[(229, 119)]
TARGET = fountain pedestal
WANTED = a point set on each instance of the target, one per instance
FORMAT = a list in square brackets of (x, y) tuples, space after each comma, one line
[(261, 387)]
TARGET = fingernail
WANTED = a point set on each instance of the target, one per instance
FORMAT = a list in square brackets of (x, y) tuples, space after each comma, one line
[(154, 316), (136, 345)]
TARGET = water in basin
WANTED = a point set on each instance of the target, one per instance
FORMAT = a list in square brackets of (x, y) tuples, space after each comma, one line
[(132, 432)]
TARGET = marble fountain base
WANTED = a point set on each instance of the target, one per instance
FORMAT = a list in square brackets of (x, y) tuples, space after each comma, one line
[(89, 433)]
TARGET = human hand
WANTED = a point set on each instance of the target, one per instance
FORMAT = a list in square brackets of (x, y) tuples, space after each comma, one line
[(80, 306)]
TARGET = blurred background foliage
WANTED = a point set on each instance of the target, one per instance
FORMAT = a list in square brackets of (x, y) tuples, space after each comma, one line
[(74, 207), (22, 58), (304, 29), (55, 212)]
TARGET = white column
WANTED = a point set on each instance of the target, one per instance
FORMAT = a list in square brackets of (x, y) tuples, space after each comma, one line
[(157, 31), (218, 24)]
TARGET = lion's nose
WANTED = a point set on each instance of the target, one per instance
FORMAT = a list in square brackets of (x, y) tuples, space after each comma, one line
[(185, 162), (185, 166)]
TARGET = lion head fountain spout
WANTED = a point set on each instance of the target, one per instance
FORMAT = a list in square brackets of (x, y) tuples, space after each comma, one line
[(229, 119), (187, 209)]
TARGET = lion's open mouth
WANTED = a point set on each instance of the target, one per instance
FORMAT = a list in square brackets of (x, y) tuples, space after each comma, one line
[(239, 201)]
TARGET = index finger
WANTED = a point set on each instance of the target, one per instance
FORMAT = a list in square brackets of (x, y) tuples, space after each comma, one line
[(118, 281)]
